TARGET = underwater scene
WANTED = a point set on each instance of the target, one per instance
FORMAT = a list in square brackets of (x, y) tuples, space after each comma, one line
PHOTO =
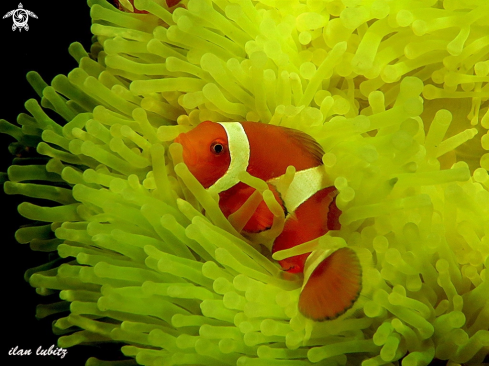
[(258, 182)]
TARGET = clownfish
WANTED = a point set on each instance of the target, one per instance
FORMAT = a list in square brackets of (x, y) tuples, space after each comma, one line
[(215, 153)]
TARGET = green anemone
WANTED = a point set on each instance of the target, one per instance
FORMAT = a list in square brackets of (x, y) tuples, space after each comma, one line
[(397, 94)]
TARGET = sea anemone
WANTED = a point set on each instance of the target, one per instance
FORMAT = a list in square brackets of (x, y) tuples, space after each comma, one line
[(397, 94)]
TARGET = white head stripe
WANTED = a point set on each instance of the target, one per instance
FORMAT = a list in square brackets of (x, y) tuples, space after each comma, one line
[(306, 183), (239, 151)]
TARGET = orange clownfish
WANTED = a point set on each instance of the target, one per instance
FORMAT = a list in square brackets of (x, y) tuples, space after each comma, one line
[(216, 153)]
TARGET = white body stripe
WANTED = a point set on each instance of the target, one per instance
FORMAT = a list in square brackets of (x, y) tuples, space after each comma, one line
[(239, 151), (306, 183)]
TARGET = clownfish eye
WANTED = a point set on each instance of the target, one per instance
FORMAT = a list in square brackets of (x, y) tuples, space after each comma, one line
[(217, 148)]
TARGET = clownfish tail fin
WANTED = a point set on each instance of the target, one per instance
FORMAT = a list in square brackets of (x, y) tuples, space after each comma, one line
[(333, 286)]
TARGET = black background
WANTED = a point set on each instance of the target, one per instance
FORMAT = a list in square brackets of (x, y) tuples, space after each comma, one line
[(43, 48)]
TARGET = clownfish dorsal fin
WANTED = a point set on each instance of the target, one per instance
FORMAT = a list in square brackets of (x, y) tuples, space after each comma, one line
[(333, 286), (306, 142)]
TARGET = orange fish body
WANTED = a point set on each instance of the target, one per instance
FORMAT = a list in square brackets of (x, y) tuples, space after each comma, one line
[(216, 152)]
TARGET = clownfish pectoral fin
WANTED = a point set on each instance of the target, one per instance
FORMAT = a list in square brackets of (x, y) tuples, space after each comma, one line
[(246, 210), (332, 287), (262, 219)]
